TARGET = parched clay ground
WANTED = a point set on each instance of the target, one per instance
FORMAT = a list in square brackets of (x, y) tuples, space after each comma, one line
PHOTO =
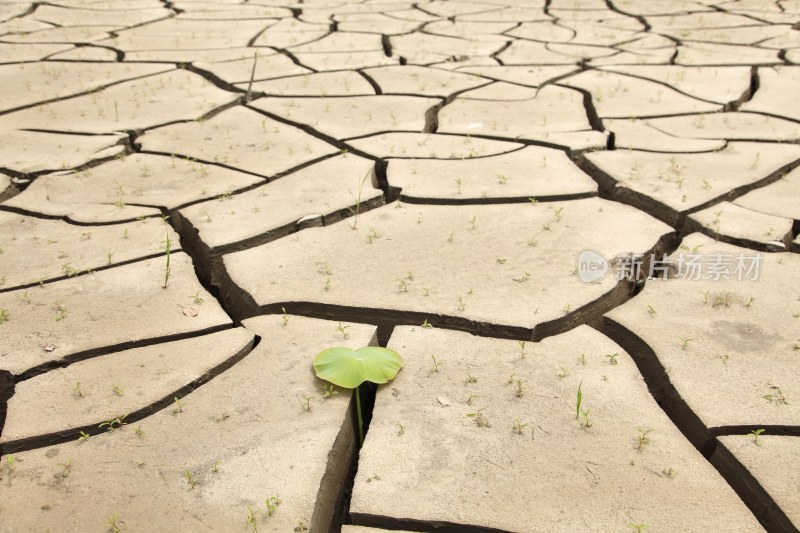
[(578, 221)]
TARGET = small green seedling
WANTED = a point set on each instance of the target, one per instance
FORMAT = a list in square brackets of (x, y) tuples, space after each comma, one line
[(522, 349), (357, 199), (140, 432), (11, 462), (114, 423), (117, 391), (305, 402), (402, 286), (586, 423), (401, 430), (582, 359), (642, 439), (669, 472), (564, 372), (272, 504), (61, 312), (518, 426), (461, 304), (473, 222), (330, 392), (471, 397), (436, 364), (651, 311), (480, 420), (4, 316), (178, 405), (84, 436), (426, 324), (524, 277), (470, 379), (755, 433), (348, 368), (685, 342), (520, 393), (637, 528), (190, 479), (578, 401), (327, 286), (66, 467), (215, 468), (252, 521), (343, 330), (77, 389), (197, 298), (285, 317), (612, 358), (114, 523)]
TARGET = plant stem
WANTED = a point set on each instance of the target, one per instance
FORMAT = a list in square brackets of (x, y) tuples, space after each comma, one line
[(360, 420)]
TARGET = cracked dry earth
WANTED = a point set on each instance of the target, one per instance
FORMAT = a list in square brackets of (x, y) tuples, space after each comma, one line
[(198, 196)]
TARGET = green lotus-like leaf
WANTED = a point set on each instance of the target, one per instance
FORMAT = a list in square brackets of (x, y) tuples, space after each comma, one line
[(349, 368)]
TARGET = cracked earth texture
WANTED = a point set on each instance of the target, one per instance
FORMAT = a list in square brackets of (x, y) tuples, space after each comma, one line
[(578, 221)]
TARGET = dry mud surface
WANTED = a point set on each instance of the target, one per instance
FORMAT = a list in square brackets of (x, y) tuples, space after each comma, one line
[(578, 221)]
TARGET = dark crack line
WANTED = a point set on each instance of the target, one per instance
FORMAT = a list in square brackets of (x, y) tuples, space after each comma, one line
[(417, 200), (86, 272), (750, 490), (594, 119), (421, 526), (80, 93), (371, 81), (737, 192), (114, 348), (293, 58), (60, 437), (432, 114), (242, 305), (659, 384)]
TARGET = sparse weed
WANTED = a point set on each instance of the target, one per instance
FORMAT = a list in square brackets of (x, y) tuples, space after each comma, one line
[(776, 396), (480, 419), (755, 433), (343, 330), (178, 405), (305, 402), (642, 438), (114, 523), (190, 479), (66, 467)]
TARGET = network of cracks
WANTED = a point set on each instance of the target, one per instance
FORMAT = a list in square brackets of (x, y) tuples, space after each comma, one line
[(578, 222)]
